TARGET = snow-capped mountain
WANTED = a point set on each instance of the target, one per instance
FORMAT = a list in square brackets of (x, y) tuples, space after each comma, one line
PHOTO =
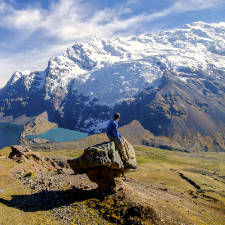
[(80, 88)]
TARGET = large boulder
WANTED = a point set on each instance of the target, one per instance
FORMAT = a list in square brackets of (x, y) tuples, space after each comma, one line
[(103, 165)]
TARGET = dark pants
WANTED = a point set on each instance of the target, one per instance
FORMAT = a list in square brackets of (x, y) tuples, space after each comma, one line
[(122, 150)]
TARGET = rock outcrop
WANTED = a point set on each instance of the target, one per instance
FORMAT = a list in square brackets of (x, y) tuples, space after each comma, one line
[(103, 165), (21, 154)]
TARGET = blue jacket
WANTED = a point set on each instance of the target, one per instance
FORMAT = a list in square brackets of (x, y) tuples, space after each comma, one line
[(112, 130)]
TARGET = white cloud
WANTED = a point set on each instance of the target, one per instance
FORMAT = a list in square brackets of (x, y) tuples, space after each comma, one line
[(195, 5), (28, 19), (70, 20), (33, 60)]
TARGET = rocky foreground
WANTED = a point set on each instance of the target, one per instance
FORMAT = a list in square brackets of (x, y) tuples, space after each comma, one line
[(55, 188), (42, 190)]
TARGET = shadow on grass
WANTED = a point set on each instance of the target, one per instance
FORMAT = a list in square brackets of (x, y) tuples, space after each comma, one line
[(47, 200)]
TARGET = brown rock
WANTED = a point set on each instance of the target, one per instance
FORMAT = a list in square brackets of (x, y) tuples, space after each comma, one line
[(103, 165), (108, 180), (20, 153)]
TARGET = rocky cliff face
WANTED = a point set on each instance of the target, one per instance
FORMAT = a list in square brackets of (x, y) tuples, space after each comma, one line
[(81, 88), (23, 94)]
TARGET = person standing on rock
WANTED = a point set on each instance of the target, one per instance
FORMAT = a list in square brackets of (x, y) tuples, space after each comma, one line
[(120, 142)]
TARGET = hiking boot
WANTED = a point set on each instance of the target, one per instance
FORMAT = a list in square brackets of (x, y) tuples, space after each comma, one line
[(130, 167)]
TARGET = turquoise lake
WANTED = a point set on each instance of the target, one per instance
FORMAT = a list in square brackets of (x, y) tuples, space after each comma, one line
[(9, 134), (60, 135)]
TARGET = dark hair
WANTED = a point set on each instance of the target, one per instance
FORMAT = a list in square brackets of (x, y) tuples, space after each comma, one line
[(116, 116)]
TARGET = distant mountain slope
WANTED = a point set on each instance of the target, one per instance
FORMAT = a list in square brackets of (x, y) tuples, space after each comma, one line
[(177, 106), (181, 110), (83, 87)]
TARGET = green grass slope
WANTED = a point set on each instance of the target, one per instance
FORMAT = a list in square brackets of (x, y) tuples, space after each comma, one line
[(198, 175)]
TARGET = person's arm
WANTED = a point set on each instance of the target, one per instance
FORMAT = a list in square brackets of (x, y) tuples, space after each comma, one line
[(116, 133)]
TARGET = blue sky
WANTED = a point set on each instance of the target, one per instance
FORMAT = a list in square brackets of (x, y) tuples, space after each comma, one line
[(31, 31)]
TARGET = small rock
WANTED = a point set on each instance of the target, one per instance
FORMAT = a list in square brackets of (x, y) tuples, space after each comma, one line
[(163, 189)]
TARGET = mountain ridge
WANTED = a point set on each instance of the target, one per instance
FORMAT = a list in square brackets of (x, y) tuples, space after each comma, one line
[(83, 87)]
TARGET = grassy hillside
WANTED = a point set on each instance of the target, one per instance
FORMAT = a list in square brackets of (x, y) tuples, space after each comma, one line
[(163, 166), (185, 188), (10, 187), (199, 175)]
